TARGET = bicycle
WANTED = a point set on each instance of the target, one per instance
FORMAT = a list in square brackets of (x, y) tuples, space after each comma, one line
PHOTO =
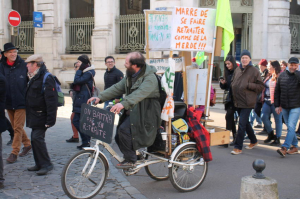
[(85, 173)]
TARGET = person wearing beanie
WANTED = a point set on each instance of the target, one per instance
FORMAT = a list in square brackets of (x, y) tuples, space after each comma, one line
[(246, 84), (84, 79)]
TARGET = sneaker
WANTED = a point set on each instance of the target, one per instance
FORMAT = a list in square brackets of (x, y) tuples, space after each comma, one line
[(125, 165), (282, 151), (73, 140), (262, 132), (258, 126), (10, 142), (12, 158), (25, 151), (293, 150), (236, 151), (251, 146), (83, 145), (232, 143), (34, 168), (44, 170)]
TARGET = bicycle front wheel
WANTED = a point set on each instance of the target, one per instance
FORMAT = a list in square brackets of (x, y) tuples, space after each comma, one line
[(158, 171), (188, 177), (74, 179)]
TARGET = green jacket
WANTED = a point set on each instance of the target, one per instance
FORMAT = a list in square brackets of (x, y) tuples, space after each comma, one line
[(141, 99)]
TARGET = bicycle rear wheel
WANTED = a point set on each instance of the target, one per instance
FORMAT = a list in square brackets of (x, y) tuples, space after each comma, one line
[(158, 171), (187, 177), (75, 183)]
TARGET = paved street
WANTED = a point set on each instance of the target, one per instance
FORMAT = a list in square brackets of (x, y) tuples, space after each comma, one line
[(222, 181), (20, 183)]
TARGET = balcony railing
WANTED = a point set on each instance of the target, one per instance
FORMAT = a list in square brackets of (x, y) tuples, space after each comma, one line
[(25, 39), (79, 31), (132, 33), (295, 33)]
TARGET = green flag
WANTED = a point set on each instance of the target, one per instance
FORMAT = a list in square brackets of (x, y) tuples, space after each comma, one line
[(200, 58), (224, 20)]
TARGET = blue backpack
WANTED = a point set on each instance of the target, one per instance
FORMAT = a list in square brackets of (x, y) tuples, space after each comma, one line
[(60, 94)]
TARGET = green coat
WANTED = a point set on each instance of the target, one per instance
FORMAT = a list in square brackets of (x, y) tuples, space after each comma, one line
[(141, 99)]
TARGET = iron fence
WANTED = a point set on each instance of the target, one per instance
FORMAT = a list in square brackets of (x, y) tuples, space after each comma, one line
[(79, 31), (25, 37), (295, 33), (132, 33)]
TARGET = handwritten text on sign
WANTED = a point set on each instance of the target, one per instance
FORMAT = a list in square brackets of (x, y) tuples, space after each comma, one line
[(162, 65), (97, 123), (159, 31), (193, 29)]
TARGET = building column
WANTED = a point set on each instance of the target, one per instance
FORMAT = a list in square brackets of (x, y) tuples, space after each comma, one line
[(5, 32), (279, 36), (104, 33)]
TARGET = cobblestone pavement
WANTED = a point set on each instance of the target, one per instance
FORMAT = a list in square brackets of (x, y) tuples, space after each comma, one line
[(20, 183)]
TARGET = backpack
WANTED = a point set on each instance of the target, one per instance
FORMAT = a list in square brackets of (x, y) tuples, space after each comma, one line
[(163, 94), (60, 94)]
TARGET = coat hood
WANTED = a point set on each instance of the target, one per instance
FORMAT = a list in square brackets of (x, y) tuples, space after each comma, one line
[(92, 67)]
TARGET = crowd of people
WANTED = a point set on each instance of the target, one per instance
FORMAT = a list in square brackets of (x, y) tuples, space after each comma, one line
[(28, 94), (257, 94)]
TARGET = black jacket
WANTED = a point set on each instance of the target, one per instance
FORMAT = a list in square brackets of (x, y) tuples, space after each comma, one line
[(16, 83), (41, 106), (85, 80), (227, 87), (112, 77), (287, 90), (3, 126)]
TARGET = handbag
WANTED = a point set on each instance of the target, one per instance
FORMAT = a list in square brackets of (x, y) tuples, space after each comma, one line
[(226, 97)]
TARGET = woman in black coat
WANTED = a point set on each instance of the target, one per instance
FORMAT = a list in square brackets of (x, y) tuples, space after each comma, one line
[(225, 84), (83, 86)]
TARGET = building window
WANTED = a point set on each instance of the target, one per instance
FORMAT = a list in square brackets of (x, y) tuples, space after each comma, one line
[(81, 8), (25, 8)]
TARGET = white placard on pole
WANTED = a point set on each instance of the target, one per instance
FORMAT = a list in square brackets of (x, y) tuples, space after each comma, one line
[(162, 65), (201, 89)]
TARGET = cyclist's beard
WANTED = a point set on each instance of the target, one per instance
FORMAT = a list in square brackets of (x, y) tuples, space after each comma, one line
[(130, 72)]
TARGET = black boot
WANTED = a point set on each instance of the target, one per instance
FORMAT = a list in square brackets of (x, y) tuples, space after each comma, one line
[(271, 137), (276, 142)]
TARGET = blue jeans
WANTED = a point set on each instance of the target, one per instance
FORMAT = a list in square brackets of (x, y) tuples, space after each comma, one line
[(267, 109), (244, 125), (254, 116), (84, 138), (291, 117)]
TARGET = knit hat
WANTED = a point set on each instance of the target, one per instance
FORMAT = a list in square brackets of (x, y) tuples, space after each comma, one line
[(83, 59), (246, 52), (263, 62)]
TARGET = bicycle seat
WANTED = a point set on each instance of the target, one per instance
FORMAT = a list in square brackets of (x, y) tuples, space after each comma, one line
[(179, 110)]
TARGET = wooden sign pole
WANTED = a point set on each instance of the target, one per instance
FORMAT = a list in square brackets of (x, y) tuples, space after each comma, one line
[(195, 94)]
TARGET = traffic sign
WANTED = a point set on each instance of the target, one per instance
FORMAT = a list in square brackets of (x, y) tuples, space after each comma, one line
[(38, 17), (37, 25), (14, 18)]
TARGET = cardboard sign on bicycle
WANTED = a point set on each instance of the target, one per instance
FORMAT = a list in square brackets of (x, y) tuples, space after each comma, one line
[(97, 123)]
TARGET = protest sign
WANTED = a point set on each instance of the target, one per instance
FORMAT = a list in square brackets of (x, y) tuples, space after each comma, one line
[(158, 30), (201, 89), (162, 65), (193, 29), (97, 123)]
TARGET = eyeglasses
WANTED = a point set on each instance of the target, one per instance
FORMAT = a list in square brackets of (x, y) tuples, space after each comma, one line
[(110, 62)]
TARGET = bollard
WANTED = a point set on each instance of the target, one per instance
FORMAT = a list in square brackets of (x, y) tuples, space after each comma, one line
[(258, 186)]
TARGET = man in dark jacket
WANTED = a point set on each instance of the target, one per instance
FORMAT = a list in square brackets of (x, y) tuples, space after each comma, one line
[(141, 118), (111, 77), (246, 84), (15, 71), (3, 123), (41, 109), (287, 100)]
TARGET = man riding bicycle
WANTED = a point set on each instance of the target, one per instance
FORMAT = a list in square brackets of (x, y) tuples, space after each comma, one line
[(140, 120)]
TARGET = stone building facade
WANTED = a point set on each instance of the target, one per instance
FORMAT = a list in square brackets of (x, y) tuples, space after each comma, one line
[(268, 28)]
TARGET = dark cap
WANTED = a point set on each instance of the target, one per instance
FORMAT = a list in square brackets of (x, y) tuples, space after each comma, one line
[(246, 52), (293, 60)]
